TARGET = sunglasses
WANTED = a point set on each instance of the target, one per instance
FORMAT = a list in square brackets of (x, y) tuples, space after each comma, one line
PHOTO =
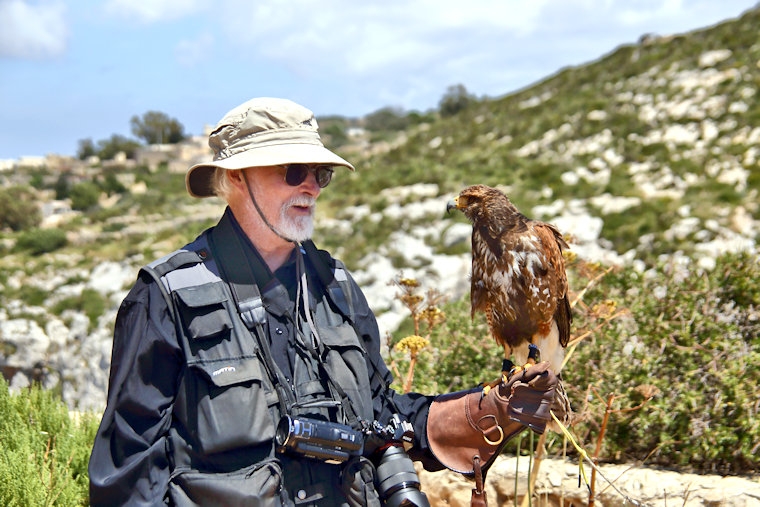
[(295, 174)]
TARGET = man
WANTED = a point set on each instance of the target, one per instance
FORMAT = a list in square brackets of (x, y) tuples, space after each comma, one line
[(246, 366)]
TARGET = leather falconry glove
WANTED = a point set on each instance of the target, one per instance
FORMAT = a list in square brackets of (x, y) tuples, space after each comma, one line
[(466, 430)]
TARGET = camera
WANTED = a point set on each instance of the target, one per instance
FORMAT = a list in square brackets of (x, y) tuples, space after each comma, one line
[(397, 481), (326, 441)]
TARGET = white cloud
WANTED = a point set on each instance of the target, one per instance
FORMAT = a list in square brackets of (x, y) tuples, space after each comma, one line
[(370, 35), (639, 12), (190, 53), (152, 11), (29, 31), (403, 53)]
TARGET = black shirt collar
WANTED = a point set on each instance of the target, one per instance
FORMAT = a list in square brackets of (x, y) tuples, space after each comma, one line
[(278, 291)]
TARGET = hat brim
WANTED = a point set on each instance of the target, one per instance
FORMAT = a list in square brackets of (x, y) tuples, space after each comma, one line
[(198, 177)]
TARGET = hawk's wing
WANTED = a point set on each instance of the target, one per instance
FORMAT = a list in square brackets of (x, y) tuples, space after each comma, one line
[(520, 278), (550, 284)]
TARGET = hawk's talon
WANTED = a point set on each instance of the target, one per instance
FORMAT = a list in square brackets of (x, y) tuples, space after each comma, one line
[(534, 354), (487, 386)]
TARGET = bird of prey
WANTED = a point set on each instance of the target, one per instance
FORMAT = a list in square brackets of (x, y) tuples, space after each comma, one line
[(518, 279)]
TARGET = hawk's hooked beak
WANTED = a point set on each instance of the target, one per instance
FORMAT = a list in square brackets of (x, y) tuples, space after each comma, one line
[(452, 204)]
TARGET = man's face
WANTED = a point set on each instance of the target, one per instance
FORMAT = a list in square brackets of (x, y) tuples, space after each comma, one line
[(290, 209)]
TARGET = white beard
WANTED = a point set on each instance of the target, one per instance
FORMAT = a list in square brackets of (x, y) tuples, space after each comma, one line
[(298, 228)]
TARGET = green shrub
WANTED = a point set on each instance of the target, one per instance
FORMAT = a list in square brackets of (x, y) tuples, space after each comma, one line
[(31, 295), (464, 352), (692, 337), (90, 302), (163, 181), (18, 209), (84, 195), (111, 185), (44, 455), (62, 186), (40, 241)]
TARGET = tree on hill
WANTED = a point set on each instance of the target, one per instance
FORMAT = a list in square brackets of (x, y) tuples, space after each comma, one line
[(108, 148), (155, 127), (386, 119), (86, 149), (455, 100)]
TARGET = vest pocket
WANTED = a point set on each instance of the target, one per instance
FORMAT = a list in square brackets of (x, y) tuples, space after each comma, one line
[(203, 311), (227, 395), (344, 358), (257, 486), (232, 410), (358, 483)]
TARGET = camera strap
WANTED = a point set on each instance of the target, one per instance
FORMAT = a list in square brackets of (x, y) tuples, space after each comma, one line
[(335, 282), (243, 275), (240, 272), (315, 345)]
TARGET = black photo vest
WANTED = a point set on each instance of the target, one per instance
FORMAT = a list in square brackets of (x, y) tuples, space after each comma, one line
[(229, 399)]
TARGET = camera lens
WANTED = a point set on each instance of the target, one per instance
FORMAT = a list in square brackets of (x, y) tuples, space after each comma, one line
[(284, 429), (398, 483)]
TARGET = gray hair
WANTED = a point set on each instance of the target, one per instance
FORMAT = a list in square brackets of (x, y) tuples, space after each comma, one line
[(221, 184)]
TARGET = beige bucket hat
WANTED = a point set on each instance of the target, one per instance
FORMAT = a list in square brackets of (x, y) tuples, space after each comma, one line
[(258, 133)]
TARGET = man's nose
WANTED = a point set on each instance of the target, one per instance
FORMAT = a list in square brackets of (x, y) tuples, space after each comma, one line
[(311, 183)]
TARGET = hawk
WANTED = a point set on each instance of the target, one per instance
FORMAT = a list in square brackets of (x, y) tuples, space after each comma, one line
[(518, 279)]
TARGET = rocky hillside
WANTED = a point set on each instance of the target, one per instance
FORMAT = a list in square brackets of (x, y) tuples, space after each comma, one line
[(650, 153)]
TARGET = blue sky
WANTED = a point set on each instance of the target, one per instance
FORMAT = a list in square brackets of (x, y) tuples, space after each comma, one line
[(79, 69)]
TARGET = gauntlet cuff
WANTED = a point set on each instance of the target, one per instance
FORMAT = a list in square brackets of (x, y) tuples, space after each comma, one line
[(466, 424)]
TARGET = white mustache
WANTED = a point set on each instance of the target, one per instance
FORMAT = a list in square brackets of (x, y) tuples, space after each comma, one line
[(303, 201)]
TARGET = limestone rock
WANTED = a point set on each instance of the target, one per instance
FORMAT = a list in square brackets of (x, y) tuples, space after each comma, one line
[(557, 484)]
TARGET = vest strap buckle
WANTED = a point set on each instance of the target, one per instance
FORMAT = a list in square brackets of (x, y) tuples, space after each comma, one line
[(252, 312)]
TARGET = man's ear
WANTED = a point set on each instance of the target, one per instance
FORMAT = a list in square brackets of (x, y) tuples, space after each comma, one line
[(235, 177)]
